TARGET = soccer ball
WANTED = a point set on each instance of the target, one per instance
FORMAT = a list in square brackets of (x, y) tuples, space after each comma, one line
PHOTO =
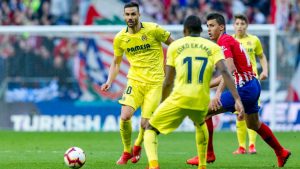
[(74, 157)]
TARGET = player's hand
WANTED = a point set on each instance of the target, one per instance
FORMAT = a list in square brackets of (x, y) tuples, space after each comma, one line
[(215, 104), (240, 108), (105, 86), (263, 75)]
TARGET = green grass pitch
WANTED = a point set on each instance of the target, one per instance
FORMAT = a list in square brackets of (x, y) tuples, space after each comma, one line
[(45, 150)]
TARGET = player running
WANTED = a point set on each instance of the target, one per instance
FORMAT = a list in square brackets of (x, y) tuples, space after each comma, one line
[(247, 85), (254, 49), (141, 42), (192, 59)]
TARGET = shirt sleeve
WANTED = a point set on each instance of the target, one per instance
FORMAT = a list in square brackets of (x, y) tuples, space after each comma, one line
[(258, 47), (161, 34), (118, 51), (225, 45), (171, 55)]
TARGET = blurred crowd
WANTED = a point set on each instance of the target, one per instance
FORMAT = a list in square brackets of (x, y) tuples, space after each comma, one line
[(39, 12), (25, 55), (66, 12), (32, 52), (258, 11)]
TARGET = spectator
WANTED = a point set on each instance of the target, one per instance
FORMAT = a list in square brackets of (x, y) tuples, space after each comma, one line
[(238, 7), (259, 17), (61, 11)]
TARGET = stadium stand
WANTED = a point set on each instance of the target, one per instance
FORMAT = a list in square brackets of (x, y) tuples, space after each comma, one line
[(57, 54)]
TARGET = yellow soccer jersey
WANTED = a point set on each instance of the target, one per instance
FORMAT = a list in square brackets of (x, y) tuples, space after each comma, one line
[(194, 59), (144, 52), (253, 47)]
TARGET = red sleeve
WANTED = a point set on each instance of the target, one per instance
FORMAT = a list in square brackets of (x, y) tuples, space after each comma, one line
[(225, 44)]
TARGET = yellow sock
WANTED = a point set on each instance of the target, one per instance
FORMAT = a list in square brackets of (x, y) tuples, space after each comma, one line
[(241, 131), (153, 163), (202, 167), (150, 144), (125, 131), (201, 143), (140, 138), (252, 136)]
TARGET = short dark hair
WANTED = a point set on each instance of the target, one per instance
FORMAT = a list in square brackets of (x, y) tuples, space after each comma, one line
[(241, 17), (193, 24), (131, 4), (218, 17)]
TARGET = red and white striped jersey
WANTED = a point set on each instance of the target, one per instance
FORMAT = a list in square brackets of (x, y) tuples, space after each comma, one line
[(233, 49)]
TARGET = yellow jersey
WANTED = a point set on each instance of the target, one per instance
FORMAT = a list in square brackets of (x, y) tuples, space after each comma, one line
[(194, 59), (144, 52), (253, 48)]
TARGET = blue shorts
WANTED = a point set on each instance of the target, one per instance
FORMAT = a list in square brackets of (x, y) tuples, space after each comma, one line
[(249, 94)]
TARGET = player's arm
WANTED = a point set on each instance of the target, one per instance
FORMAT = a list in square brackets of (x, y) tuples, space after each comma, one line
[(215, 82), (264, 63), (228, 81), (262, 59), (169, 40), (170, 71), (113, 72), (163, 35), (230, 65), (169, 82), (215, 103), (231, 68)]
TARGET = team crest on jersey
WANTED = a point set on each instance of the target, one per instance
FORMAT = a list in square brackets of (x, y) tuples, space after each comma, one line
[(127, 40), (223, 48), (144, 38), (249, 43)]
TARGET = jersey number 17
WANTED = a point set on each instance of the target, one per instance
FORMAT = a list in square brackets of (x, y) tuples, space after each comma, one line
[(189, 61)]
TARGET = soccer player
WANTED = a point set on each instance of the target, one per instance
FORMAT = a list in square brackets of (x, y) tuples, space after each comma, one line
[(142, 44), (192, 60), (254, 49), (246, 83)]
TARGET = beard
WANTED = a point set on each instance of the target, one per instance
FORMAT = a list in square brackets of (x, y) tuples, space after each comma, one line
[(132, 23)]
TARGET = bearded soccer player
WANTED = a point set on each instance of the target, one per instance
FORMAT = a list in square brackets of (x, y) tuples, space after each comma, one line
[(247, 85), (142, 44), (254, 49), (192, 60)]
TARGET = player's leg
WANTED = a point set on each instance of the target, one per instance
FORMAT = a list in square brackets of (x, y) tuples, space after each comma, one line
[(210, 158), (151, 101), (151, 146), (139, 140), (252, 140), (125, 132), (198, 118), (137, 147), (166, 118), (241, 132), (227, 105), (227, 101), (267, 135), (201, 142), (130, 101), (210, 149), (252, 91)]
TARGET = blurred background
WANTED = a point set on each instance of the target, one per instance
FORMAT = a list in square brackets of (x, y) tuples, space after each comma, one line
[(52, 64)]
